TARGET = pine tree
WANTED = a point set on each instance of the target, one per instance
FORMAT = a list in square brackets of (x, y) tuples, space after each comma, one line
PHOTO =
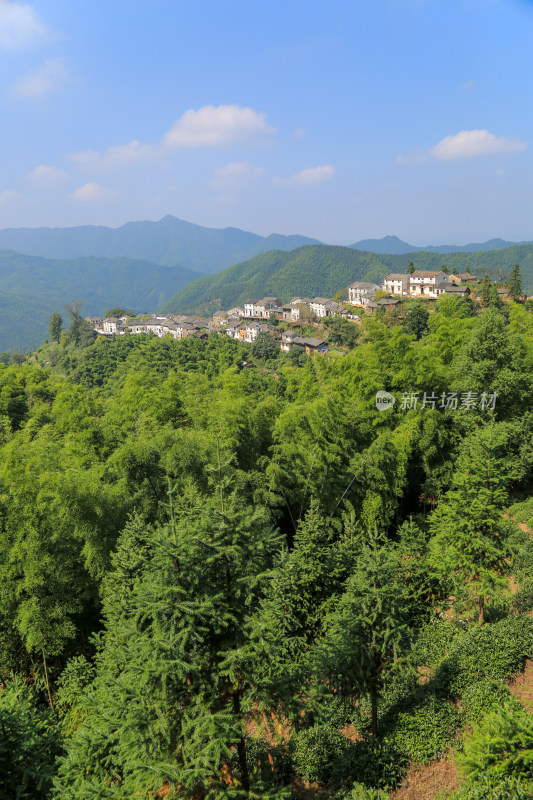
[(369, 633), (174, 681), (411, 268), (484, 292), (55, 325), (470, 547), (514, 284)]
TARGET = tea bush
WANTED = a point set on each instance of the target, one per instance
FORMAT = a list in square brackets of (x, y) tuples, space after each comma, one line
[(425, 730), (435, 641), (484, 696), (372, 761), (493, 651)]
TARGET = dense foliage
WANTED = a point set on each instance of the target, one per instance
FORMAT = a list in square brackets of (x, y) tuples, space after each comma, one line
[(319, 270), (221, 580)]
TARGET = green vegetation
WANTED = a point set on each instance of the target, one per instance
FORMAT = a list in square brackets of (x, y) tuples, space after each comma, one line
[(319, 270), (222, 582), (31, 288)]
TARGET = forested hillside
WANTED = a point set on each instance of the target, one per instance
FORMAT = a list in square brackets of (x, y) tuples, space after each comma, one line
[(232, 581), (170, 241), (322, 270), (31, 288)]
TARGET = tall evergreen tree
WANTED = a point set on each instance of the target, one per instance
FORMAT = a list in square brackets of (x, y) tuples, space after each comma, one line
[(514, 284), (470, 546), (175, 684), (55, 325), (369, 633)]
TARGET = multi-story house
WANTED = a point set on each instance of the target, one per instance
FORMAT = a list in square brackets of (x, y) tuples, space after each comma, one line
[(360, 293), (324, 307), (424, 282), (397, 284)]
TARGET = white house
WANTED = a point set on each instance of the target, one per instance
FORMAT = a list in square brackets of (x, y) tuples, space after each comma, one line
[(360, 292), (424, 282), (397, 283)]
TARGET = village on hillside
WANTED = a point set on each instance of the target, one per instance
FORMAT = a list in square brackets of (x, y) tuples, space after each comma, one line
[(263, 316)]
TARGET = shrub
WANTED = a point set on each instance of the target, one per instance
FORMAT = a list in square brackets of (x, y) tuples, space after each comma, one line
[(372, 761), (484, 696), (28, 744), (493, 651), (361, 792), (500, 746), (487, 789), (317, 749), (523, 599), (523, 562), (435, 641), (425, 730)]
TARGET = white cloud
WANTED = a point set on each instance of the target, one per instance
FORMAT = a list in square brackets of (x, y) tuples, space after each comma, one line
[(44, 175), (471, 144), (44, 79), (500, 173), (469, 86), (465, 145), (237, 172), (90, 193), (209, 126), (310, 176), (118, 155), (20, 26), (299, 133), (217, 126)]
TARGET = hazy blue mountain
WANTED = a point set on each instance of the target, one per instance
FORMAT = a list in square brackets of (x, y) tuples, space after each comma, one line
[(170, 241), (392, 245), (323, 269), (388, 245), (31, 288)]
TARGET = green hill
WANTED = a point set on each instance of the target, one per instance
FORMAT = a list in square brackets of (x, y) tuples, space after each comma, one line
[(322, 270), (169, 241), (32, 287)]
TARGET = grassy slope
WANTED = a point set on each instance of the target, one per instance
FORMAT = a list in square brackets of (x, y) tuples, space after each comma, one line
[(322, 270)]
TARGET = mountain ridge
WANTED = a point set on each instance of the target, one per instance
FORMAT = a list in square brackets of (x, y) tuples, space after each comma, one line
[(321, 270), (168, 241)]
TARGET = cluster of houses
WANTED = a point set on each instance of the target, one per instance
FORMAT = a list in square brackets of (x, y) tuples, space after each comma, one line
[(422, 283), (256, 316)]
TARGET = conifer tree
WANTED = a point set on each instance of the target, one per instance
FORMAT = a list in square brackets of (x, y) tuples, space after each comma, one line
[(514, 284), (174, 679), (484, 292), (470, 547), (370, 631)]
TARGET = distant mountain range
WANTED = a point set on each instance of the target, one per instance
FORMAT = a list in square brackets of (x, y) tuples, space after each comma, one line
[(392, 245), (31, 288), (179, 266), (323, 269), (170, 242)]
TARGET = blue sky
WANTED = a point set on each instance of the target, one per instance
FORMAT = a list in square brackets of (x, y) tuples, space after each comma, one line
[(339, 120)]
